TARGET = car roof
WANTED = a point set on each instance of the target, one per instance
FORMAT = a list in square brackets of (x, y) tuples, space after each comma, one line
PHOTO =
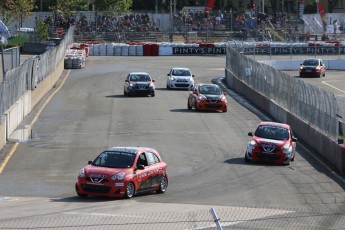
[(270, 123), (184, 68), (128, 149), (312, 59), (206, 84), (138, 73)]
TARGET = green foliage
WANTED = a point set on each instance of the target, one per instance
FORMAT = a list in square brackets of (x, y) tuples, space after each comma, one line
[(113, 5), (17, 41), (310, 7), (41, 29)]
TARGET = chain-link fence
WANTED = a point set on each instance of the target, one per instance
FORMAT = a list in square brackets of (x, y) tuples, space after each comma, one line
[(315, 106), (31, 72), (227, 218)]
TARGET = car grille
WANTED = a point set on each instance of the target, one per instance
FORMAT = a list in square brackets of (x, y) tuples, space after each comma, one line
[(96, 188), (213, 106), (182, 80), (181, 85), (140, 86), (268, 156)]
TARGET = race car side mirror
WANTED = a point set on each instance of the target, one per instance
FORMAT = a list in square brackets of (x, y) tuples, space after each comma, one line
[(140, 167), (250, 134)]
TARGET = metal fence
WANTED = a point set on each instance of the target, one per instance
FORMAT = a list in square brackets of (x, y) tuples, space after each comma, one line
[(31, 72), (313, 105), (227, 218)]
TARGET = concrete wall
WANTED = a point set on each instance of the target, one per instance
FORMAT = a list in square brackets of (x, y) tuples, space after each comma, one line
[(16, 114), (324, 146), (336, 64)]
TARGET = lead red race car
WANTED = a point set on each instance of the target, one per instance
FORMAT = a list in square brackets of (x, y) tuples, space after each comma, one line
[(123, 172)]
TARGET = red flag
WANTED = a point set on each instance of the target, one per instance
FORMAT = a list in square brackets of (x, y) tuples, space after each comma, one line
[(209, 5), (322, 14)]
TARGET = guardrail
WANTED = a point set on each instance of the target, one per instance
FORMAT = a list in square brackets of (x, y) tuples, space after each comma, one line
[(313, 113)]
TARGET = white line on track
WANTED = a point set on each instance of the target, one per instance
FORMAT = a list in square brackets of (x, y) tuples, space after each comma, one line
[(325, 82)]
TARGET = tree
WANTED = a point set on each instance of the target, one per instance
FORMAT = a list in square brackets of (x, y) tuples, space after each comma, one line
[(19, 9), (65, 7), (113, 5), (41, 29), (5, 11)]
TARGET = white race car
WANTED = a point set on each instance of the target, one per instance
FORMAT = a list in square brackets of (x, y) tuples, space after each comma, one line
[(180, 78)]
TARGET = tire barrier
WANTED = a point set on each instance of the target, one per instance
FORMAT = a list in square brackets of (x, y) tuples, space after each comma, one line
[(153, 49), (76, 56)]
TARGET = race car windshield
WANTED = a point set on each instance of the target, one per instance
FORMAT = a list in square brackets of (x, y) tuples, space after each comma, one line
[(210, 90), (272, 132), (140, 77), (113, 159), (310, 62), (181, 72)]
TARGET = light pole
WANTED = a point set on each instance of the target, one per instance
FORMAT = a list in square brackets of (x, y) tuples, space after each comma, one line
[(2, 56)]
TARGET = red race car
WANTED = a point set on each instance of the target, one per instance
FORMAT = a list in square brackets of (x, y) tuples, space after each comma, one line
[(271, 142), (123, 172), (312, 67), (207, 97)]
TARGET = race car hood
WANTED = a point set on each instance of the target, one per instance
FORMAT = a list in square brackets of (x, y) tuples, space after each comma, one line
[(103, 172), (212, 97), (260, 140)]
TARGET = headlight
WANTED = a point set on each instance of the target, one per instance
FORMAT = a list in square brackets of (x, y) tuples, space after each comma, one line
[(151, 85), (172, 79), (82, 172), (201, 98), (287, 148), (301, 68), (223, 98), (118, 176), (253, 143)]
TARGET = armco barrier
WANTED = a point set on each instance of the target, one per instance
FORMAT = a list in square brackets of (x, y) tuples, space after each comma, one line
[(327, 148)]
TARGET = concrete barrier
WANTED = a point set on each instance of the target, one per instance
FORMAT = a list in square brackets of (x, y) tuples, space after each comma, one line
[(16, 114), (328, 149), (336, 64)]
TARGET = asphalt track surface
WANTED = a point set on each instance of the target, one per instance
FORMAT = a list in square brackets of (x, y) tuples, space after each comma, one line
[(204, 150)]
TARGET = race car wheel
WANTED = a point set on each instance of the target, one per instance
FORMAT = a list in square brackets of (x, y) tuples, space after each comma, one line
[(124, 93), (225, 110), (189, 106), (293, 157), (129, 193), (152, 95), (246, 158), (163, 185)]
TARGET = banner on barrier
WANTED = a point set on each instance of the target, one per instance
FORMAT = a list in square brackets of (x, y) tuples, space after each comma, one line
[(198, 50), (295, 50)]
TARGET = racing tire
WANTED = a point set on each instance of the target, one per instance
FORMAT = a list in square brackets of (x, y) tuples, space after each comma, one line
[(293, 158), (189, 106), (324, 74), (163, 185), (225, 110), (152, 95), (130, 190), (246, 159), (124, 93)]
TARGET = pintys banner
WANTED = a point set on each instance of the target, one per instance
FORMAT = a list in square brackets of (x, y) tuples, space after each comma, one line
[(322, 14), (209, 5)]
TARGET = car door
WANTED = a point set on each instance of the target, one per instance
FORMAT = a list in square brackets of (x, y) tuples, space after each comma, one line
[(127, 82), (192, 96), (143, 175), (155, 169)]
